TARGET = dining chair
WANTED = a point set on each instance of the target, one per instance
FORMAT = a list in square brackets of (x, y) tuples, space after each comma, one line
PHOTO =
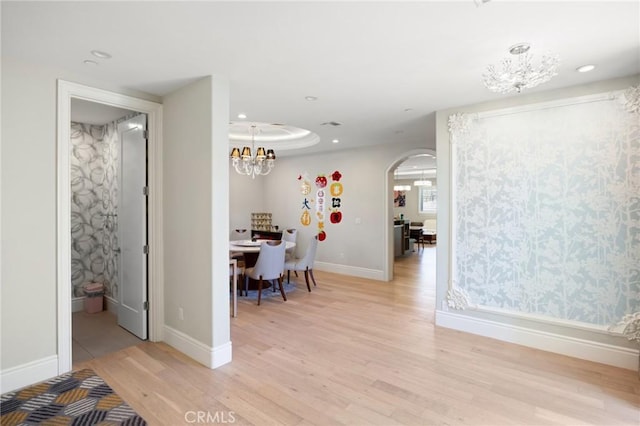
[(289, 235), (239, 234), (417, 234), (304, 263), (233, 274), (268, 267)]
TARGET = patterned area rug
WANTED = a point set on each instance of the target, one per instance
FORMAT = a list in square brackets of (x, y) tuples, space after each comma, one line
[(268, 292), (76, 398)]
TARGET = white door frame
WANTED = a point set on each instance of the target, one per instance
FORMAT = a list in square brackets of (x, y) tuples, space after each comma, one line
[(66, 91)]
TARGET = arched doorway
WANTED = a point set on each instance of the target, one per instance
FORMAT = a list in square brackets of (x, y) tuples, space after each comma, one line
[(389, 200)]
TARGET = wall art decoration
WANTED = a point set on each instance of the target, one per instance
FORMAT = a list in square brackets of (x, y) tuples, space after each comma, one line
[(547, 210), (305, 190), (321, 184), (324, 205), (399, 198), (335, 190)]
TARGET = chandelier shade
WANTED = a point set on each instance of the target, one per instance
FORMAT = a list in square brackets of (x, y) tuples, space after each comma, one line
[(245, 164), (520, 73), (402, 187)]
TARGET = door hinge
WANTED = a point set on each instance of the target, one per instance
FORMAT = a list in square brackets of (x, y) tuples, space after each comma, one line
[(145, 190), (145, 249), (145, 305), (145, 134)]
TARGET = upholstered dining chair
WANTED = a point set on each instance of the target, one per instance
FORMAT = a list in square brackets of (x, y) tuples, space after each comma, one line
[(289, 235), (417, 234), (304, 263), (239, 234), (268, 267)]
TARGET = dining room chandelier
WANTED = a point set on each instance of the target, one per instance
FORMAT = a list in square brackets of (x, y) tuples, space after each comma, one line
[(521, 73), (422, 182), (399, 187), (260, 164)]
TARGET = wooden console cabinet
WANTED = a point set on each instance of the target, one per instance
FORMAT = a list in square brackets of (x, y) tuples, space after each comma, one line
[(257, 234)]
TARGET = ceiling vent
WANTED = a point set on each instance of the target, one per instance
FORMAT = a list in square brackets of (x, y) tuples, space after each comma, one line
[(332, 123)]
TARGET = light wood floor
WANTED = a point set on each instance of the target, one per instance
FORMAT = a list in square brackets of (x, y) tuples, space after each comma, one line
[(363, 352), (95, 335)]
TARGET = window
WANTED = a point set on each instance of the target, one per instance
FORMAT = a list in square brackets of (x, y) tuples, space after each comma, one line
[(427, 199)]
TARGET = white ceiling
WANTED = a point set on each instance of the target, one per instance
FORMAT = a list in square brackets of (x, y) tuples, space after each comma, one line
[(381, 69)]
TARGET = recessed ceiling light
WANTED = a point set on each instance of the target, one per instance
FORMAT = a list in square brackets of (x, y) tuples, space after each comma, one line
[(242, 115), (311, 98), (100, 54), (90, 62), (586, 68), (335, 141)]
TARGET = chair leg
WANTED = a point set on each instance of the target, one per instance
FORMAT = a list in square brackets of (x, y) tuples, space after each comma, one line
[(306, 278), (280, 280), (288, 276), (312, 277), (259, 290)]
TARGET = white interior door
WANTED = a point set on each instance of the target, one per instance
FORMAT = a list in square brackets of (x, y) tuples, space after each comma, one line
[(132, 226)]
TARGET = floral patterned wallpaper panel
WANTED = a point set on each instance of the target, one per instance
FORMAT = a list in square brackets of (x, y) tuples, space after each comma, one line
[(548, 211), (94, 206)]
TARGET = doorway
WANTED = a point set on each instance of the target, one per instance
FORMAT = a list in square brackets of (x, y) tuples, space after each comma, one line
[(108, 227), (66, 93), (411, 181)]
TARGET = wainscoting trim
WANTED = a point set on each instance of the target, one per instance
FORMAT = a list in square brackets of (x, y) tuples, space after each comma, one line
[(550, 342), (27, 374), (205, 355), (355, 271)]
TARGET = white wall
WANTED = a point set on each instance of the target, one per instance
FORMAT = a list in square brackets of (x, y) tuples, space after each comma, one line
[(246, 196), (553, 336), (196, 185), (28, 305), (351, 247)]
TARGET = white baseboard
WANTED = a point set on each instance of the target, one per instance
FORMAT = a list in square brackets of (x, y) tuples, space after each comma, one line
[(355, 271), (578, 348), (205, 355), (112, 304), (77, 304), (27, 374)]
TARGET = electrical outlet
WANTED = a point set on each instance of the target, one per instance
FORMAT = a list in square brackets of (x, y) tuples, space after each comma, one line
[(181, 314)]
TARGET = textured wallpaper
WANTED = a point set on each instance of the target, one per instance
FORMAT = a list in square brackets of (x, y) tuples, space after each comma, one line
[(548, 211), (94, 206)]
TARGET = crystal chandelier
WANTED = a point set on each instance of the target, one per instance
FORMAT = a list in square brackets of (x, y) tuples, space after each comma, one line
[(521, 73), (245, 164)]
